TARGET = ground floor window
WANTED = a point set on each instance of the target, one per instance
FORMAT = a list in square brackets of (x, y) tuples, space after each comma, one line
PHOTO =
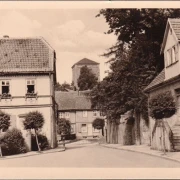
[(84, 128)]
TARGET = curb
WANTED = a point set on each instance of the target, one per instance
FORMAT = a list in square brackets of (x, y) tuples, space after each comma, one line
[(35, 153), (163, 157)]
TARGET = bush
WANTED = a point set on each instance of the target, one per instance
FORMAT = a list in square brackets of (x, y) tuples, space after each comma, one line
[(162, 106), (43, 142), (13, 143), (69, 136)]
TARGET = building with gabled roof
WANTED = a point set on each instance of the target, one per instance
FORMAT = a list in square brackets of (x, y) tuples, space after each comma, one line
[(94, 66), (27, 79), (169, 80), (76, 107)]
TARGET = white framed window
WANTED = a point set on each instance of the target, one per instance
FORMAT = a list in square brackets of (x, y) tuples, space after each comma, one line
[(173, 55), (61, 115), (30, 83), (95, 113), (5, 86), (176, 52), (84, 113), (83, 127), (67, 115)]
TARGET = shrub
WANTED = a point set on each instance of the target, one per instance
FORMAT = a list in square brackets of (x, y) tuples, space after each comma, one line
[(63, 126), (13, 142), (162, 106), (43, 142), (69, 136)]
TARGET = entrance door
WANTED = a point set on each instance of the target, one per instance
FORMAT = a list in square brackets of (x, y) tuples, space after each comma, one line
[(90, 130)]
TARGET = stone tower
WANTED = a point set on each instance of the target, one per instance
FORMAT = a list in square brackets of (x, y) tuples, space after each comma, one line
[(94, 66)]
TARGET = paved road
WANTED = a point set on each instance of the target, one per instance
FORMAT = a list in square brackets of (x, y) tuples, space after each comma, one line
[(89, 155)]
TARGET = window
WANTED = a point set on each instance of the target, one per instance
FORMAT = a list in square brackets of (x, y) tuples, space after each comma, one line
[(84, 113), (83, 127), (30, 86), (95, 113), (67, 115), (61, 115), (5, 87), (172, 55)]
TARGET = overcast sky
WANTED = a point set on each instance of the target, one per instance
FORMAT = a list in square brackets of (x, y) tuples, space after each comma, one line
[(73, 33)]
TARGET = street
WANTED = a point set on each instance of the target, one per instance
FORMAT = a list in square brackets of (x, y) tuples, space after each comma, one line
[(89, 155)]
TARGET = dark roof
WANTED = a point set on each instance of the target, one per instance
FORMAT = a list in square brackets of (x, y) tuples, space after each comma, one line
[(25, 55), (72, 101), (85, 61), (157, 80), (175, 24)]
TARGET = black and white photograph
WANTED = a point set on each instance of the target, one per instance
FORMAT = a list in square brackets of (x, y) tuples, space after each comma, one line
[(89, 87)]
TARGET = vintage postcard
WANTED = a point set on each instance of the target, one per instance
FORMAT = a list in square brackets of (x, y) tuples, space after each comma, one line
[(89, 89)]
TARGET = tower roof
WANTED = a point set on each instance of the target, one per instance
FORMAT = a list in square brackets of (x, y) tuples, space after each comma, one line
[(85, 61)]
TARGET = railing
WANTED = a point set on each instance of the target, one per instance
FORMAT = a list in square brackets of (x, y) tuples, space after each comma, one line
[(31, 95), (5, 96)]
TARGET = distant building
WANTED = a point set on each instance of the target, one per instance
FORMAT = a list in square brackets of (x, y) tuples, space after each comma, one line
[(94, 66), (27, 79), (76, 107)]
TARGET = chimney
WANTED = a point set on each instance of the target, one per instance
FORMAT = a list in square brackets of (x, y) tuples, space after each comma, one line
[(5, 36)]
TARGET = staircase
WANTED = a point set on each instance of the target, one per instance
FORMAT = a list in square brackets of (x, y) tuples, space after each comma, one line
[(176, 136)]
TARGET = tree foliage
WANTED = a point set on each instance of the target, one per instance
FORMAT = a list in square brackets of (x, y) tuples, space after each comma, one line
[(4, 121), (162, 105), (63, 126), (87, 80), (135, 59), (98, 123), (34, 120), (64, 86)]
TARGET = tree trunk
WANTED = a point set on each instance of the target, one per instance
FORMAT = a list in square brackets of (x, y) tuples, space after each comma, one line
[(103, 131), (39, 149), (137, 128), (108, 132), (0, 146)]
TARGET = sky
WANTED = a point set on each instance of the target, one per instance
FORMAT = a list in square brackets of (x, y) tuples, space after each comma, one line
[(73, 33)]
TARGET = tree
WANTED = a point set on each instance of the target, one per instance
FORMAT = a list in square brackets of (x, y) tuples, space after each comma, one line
[(34, 120), (63, 87), (63, 126), (162, 106), (135, 61), (98, 123), (4, 125), (87, 80)]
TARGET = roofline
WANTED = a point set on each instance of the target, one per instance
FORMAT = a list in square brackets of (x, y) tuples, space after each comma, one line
[(164, 83), (77, 109), (168, 24)]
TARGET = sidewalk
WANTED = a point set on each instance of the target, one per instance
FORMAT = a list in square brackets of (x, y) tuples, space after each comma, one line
[(33, 153), (145, 149)]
